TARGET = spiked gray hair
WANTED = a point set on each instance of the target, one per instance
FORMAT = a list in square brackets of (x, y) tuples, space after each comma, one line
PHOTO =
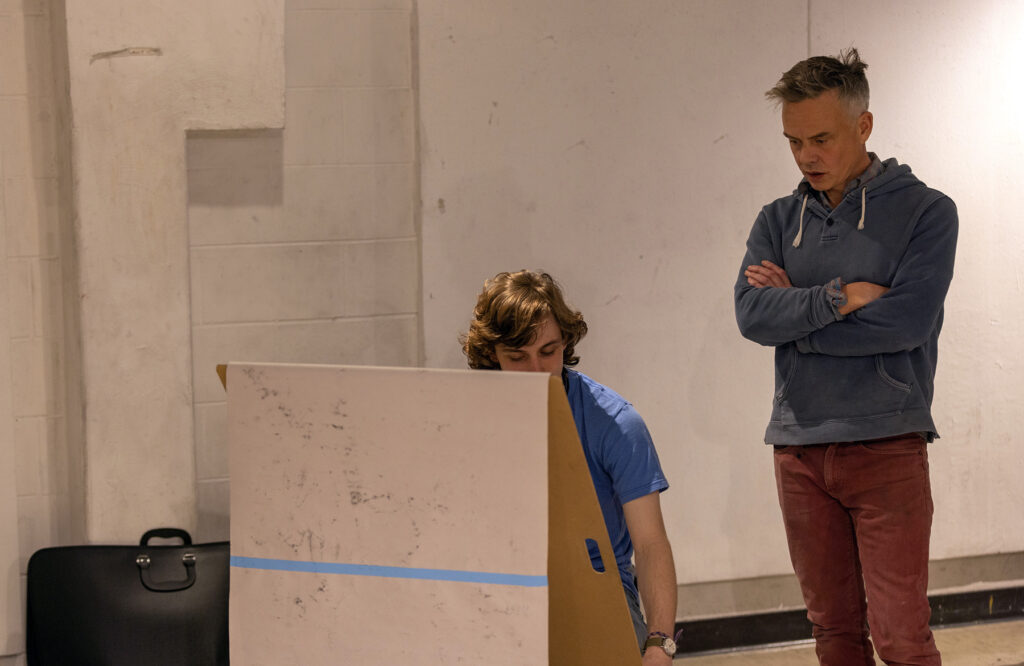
[(810, 78)]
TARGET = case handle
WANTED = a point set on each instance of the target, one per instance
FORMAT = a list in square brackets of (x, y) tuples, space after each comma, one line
[(166, 533), (188, 560)]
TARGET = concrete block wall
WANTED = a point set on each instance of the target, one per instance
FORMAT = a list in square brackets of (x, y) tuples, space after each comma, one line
[(35, 377), (302, 246), (196, 65), (303, 242)]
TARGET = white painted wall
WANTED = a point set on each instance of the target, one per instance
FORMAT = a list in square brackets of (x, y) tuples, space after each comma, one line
[(35, 500), (340, 185), (11, 621), (628, 151), (188, 65), (303, 244)]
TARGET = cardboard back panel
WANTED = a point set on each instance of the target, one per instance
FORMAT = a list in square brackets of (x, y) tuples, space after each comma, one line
[(589, 620)]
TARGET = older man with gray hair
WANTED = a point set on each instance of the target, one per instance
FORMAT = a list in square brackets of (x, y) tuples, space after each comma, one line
[(846, 279)]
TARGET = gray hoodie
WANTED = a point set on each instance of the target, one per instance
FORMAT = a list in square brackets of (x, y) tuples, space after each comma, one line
[(869, 374)]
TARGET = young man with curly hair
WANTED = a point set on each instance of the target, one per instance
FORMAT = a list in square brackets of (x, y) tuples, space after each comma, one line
[(846, 279), (521, 322)]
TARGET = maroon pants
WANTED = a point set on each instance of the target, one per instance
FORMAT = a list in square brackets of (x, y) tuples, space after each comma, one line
[(858, 519)]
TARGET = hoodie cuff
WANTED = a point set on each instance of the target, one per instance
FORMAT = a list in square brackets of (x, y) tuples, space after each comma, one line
[(836, 297)]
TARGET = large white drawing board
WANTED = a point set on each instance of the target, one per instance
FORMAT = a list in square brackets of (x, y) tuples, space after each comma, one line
[(393, 515)]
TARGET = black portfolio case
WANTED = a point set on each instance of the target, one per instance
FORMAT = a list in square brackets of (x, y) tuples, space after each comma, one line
[(129, 605)]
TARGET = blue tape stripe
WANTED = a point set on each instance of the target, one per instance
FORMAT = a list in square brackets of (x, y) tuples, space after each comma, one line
[(517, 580)]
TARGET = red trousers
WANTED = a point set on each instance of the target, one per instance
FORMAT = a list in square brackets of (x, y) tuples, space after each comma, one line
[(858, 519)]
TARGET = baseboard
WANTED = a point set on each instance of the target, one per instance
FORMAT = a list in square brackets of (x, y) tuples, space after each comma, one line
[(758, 629), (772, 593), (977, 606)]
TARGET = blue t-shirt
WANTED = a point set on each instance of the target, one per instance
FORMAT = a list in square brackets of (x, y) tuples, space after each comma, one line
[(620, 454)]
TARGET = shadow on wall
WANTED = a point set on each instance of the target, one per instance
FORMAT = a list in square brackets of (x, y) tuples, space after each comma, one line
[(235, 168), (236, 194)]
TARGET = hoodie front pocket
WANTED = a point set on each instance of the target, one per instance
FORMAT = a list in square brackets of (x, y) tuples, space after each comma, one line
[(880, 367), (785, 369), (821, 388)]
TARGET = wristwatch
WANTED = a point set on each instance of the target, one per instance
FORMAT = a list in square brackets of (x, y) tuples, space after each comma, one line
[(658, 639)]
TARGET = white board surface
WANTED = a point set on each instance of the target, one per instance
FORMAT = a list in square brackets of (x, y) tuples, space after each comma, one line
[(387, 515)]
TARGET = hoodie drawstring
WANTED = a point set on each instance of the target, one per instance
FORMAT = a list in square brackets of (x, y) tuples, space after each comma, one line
[(863, 207), (800, 233), (860, 223)]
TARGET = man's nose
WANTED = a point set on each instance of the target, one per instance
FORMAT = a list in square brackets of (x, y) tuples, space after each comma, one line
[(806, 156), (535, 365)]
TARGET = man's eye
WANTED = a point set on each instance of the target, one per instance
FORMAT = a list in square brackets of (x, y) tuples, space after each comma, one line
[(550, 352), (516, 359)]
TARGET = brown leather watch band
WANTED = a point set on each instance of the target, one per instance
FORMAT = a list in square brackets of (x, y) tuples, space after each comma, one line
[(663, 642)]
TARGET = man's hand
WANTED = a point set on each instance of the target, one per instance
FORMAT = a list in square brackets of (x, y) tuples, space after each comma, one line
[(655, 656), (655, 571), (859, 294), (766, 274)]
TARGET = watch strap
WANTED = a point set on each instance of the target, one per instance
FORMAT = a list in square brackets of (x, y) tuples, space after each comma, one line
[(658, 639)]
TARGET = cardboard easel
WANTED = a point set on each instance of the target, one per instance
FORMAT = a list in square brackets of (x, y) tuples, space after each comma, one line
[(410, 516)]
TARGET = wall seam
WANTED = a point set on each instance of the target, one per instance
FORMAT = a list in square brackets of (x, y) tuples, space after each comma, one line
[(809, 2), (417, 193)]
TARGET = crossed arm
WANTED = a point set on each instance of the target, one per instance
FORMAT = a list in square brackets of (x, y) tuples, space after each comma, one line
[(858, 294), (903, 312), (655, 570)]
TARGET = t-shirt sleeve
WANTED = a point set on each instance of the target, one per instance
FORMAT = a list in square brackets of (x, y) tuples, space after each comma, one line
[(630, 457)]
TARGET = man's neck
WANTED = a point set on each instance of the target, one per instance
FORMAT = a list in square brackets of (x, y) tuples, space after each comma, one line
[(836, 195)]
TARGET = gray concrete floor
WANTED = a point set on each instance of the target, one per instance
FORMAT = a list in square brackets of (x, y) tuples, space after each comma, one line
[(988, 644)]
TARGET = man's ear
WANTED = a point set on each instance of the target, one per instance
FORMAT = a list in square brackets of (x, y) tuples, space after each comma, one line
[(865, 123)]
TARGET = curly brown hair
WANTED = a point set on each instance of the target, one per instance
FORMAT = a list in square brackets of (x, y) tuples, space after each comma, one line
[(509, 311)]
